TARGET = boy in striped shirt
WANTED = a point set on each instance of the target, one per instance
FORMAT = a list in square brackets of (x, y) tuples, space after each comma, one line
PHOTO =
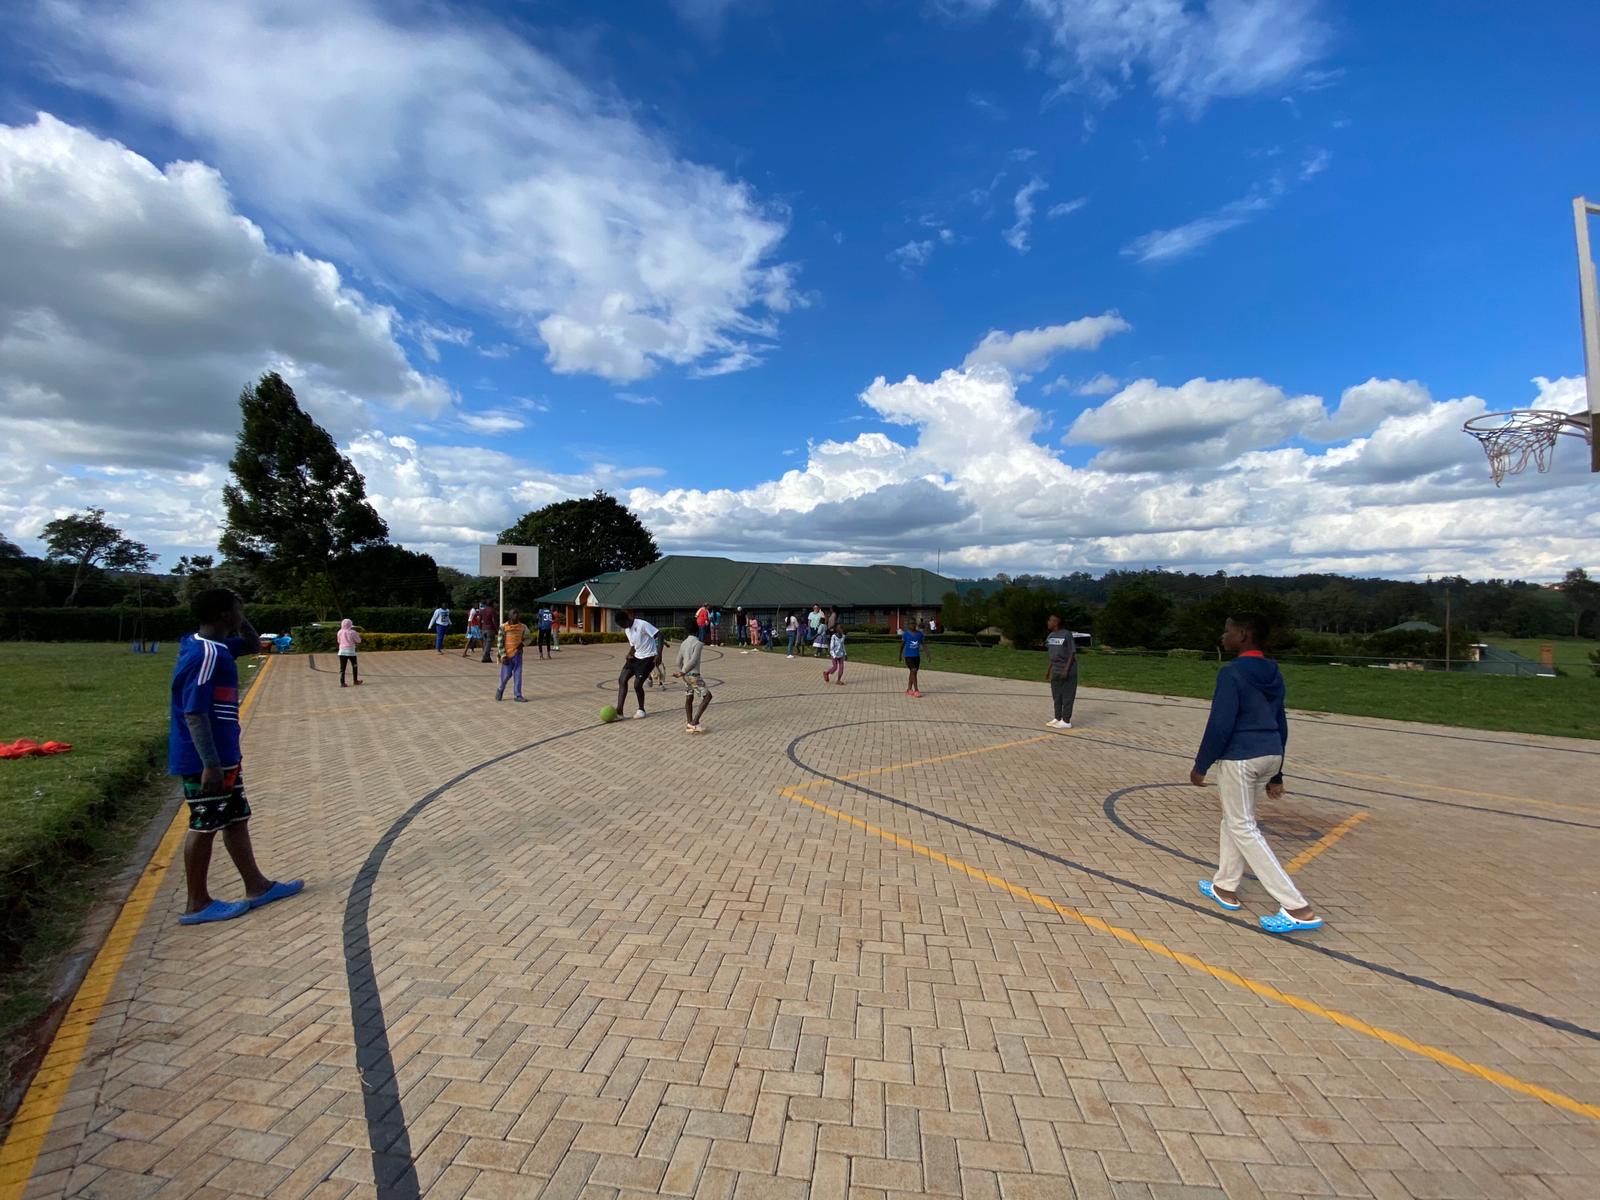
[(203, 750)]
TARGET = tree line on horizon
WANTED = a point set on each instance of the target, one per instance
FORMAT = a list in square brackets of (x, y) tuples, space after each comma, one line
[(299, 529)]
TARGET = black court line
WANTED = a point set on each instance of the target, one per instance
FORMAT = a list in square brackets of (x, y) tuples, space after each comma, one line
[(394, 1168), (1302, 944), (1110, 809)]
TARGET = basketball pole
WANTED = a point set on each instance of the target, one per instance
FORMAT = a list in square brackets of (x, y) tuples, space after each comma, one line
[(1589, 307)]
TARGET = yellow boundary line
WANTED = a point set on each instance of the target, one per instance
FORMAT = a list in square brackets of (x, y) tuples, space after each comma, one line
[(1266, 991), (1325, 841), (49, 1087)]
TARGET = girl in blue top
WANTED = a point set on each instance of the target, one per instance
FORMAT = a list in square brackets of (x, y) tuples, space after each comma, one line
[(911, 641)]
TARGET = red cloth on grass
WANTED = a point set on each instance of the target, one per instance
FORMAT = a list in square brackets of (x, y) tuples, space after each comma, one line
[(27, 747)]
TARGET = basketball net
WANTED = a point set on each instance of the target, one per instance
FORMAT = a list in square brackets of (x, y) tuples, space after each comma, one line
[(1523, 435)]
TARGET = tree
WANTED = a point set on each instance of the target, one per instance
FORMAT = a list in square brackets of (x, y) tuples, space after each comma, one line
[(296, 505), (1582, 596), (390, 575), (196, 573), (9, 549), (579, 539), (1136, 614), (87, 540), (1199, 626)]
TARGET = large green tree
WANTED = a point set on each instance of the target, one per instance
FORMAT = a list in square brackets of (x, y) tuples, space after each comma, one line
[(579, 539), (86, 541), (1136, 614), (296, 506), (1582, 595)]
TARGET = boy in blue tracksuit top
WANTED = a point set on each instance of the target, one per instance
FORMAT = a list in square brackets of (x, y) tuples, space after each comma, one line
[(1245, 740), (203, 750)]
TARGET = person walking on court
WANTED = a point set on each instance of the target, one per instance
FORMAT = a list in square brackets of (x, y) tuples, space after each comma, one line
[(1245, 738), (702, 619), (792, 625), (835, 652), (489, 626), (1061, 670), (203, 750), (753, 631), (694, 686), (348, 640), (440, 624), (911, 642), (546, 621), (474, 631), (516, 633), (640, 660)]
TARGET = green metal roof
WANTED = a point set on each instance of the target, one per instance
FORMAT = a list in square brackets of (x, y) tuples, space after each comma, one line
[(688, 581)]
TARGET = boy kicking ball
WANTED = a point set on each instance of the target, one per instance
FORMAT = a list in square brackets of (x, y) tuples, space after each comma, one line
[(203, 749), (1245, 737), (694, 687)]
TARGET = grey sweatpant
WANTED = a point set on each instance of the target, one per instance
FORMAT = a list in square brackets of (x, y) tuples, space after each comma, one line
[(1064, 692)]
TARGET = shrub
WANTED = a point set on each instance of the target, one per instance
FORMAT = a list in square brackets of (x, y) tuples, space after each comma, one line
[(1194, 655), (1594, 657)]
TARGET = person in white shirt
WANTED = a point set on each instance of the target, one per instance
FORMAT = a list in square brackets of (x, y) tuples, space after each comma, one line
[(439, 623), (641, 660)]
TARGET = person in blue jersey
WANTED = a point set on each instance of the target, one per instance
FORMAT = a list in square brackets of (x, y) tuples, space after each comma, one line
[(203, 750), (911, 644), (546, 623), (1245, 739)]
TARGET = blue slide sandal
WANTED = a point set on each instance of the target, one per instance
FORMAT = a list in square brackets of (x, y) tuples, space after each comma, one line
[(217, 910), (1282, 922), (1210, 893), (278, 891)]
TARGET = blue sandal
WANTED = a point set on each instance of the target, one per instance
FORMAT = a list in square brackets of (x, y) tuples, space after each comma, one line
[(1282, 922), (217, 910), (278, 891), (1209, 891)]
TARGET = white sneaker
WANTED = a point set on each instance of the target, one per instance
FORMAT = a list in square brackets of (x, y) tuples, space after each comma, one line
[(791, 656), (639, 716), (1063, 724)]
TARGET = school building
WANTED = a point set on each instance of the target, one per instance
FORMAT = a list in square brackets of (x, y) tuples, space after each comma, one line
[(669, 591)]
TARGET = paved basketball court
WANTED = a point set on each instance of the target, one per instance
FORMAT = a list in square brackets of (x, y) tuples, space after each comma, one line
[(849, 943)]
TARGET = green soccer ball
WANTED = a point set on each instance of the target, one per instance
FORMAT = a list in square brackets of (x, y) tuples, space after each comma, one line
[(608, 714)]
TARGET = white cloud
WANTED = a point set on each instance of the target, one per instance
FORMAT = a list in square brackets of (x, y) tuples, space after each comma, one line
[(1017, 235), (456, 160), (1100, 385), (1030, 349), (1203, 423), (912, 255), (1161, 244), (129, 281), (494, 420), (1190, 53), (1362, 407), (636, 398), (1066, 208)]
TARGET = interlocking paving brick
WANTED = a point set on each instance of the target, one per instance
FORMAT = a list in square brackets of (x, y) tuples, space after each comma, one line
[(629, 962)]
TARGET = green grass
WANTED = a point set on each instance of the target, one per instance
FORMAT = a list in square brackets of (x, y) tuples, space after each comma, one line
[(67, 822), (1564, 706), (1572, 654)]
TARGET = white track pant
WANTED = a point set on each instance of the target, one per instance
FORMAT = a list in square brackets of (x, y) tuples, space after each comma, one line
[(1242, 782)]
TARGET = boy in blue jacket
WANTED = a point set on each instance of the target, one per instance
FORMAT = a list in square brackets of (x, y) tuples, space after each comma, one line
[(1245, 738)]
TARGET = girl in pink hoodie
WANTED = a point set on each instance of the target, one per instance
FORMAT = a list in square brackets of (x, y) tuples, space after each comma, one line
[(349, 639)]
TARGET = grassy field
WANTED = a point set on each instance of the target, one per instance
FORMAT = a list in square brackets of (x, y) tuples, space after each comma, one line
[(1572, 654), (67, 822), (1564, 706)]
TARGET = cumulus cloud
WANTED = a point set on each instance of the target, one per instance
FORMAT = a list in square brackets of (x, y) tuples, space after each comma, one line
[(455, 159), (1189, 53), (136, 303), (1030, 349), (1148, 427)]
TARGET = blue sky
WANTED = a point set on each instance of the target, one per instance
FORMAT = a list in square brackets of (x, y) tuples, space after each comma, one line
[(1274, 251)]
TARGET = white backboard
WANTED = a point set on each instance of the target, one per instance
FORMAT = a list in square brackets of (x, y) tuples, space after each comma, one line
[(509, 562)]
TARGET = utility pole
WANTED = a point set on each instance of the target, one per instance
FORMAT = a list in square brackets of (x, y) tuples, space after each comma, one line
[(1447, 627)]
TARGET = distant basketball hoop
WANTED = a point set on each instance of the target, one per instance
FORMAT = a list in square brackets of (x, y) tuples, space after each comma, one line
[(1512, 439)]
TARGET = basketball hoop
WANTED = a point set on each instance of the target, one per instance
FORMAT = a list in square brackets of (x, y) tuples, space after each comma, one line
[(1510, 439)]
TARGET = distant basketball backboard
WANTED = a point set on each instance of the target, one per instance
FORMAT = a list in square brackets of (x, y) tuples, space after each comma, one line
[(509, 562)]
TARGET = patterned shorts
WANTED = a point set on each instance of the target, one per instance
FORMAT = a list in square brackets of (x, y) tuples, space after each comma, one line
[(227, 806), (694, 684)]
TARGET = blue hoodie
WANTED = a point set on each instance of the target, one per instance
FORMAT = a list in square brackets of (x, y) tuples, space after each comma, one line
[(1247, 717)]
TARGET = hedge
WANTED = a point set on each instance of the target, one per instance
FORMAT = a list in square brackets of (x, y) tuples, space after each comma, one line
[(168, 624)]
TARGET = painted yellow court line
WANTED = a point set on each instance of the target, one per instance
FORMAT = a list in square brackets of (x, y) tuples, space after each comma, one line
[(1265, 990), (1592, 810), (49, 1087), (923, 762), (1325, 841)]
